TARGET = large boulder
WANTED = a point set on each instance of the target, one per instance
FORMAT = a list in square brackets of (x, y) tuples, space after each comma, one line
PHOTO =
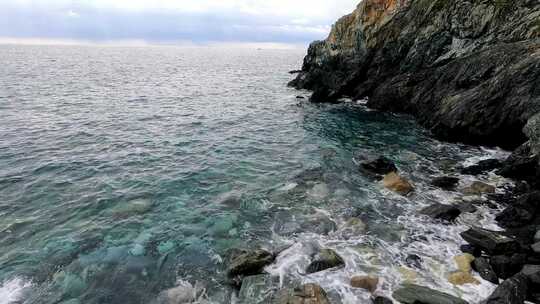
[(524, 211), (414, 294), (511, 291), (490, 241), (483, 267), (325, 259), (248, 262), (441, 212), (305, 294), (506, 266)]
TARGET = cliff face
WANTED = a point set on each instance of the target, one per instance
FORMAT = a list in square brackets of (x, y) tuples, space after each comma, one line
[(467, 69)]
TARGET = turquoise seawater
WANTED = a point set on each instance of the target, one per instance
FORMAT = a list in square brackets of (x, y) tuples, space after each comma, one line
[(125, 171)]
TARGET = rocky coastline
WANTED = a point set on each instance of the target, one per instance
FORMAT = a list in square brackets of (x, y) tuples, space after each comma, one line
[(470, 72)]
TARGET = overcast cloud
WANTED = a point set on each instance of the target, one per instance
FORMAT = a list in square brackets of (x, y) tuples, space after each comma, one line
[(172, 21)]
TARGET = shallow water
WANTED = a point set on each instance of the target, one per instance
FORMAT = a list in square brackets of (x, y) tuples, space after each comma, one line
[(125, 172)]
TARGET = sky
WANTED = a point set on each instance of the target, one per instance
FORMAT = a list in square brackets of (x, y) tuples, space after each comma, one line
[(171, 21)]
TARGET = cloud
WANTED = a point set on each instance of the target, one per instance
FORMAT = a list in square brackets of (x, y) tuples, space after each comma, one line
[(199, 21)]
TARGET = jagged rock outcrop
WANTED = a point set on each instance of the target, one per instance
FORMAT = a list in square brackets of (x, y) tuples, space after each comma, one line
[(469, 70)]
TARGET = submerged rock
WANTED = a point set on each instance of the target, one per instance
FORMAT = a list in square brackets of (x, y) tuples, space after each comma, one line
[(382, 300), (414, 294), (378, 167), (305, 294), (249, 262), (479, 188), (257, 289), (368, 283), (462, 278), (442, 212), (325, 259), (414, 261), (445, 182), (490, 241), (398, 184), (511, 291)]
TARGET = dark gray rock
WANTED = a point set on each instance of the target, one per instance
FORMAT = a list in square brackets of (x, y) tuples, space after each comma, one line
[(382, 300), (483, 267), (489, 241), (475, 251), (445, 182), (536, 247), (507, 266), (413, 261), (325, 259), (532, 272), (442, 212), (466, 207), (378, 167), (511, 291), (482, 167), (248, 262), (525, 211), (414, 294)]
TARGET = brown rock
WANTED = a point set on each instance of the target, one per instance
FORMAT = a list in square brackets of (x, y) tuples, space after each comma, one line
[(479, 188), (462, 278), (464, 261), (398, 184), (306, 294), (368, 283)]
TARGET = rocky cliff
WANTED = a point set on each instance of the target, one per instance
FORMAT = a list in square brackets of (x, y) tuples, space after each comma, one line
[(469, 70)]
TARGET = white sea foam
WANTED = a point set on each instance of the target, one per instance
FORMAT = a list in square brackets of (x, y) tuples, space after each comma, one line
[(12, 290)]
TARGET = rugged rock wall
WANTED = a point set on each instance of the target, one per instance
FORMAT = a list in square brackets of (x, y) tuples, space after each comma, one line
[(467, 69)]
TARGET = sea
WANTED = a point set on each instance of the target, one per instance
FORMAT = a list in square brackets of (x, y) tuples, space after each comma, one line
[(128, 174)]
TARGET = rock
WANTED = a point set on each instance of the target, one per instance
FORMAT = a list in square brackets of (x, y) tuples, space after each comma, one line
[(525, 211), (536, 247), (368, 283), (257, 289), (489, 241), (479, 188), (306, 294), (398, 184), (442, 212), (482, 266), (182, 294), (522, 164), (445, 182), (295, 71), (482, 167), (507, 266), (382, 300), (466, 207), (408, 274), (511, 291), (532, 272), (462, 278), (413, 261), (477, 252), (464, 261), (471, 76), (414, 294), (537, 236), (378, 167), (300, 97), (354, 227), (325, 259), (247, 263)]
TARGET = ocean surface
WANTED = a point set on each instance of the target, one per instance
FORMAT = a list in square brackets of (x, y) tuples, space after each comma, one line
[(125, 172)]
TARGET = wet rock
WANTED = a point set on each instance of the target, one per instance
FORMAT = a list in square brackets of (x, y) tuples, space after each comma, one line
[(537, 236), (132, 208), (462, 278), (325, 259), (300, 97), (507, 266), (526, 210), (306, 294), (442, 212), (414, 294), (257, 289), (378, 167), (354, 227), (482, 266), (482, 167), (183, 294), (295, 71), (249, 262), (523, 164), (511, 291), (413, 261), (464, 261), (466, 207), (479, 188), (445, 182), (490, 241), (408, 274), (368, 283), (536, 247), (532, 272), (471, 249), (382, 300), (309, 176), (398, 184)]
